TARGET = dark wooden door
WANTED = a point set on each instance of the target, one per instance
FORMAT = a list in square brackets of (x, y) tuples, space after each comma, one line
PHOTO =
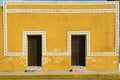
[(34, 50), (78, 50)]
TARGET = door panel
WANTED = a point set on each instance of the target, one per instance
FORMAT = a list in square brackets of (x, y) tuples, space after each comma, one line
[(34, 50), (78, 50)]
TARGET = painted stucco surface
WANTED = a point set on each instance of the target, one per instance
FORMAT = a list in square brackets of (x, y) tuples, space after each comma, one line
[(104, 63), (63, 63), (56, 63), (107, 6), (9, 63), (12, 64), (56, 27)]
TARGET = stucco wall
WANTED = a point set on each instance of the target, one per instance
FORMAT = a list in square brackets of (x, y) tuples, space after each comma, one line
[(102, 38), (56, 27)]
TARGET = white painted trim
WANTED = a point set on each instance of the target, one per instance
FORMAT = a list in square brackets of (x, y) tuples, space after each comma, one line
[(70, 11), (117, 29), (116, 11), (58, 2), (25, 45), (86, 33), (102, 54), (56, 54), (5, 30), (25, 42)]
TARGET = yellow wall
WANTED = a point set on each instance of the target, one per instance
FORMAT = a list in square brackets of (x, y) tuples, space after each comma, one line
[(103, 63), (102, 6), (8, 63), (101, 27), (93, 63), (56, 63), (56, 27)]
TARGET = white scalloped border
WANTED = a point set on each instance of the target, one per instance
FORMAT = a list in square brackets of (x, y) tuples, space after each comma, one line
[(86, 33), (68, 11), (59, 2), (116, 11), (25, 45)]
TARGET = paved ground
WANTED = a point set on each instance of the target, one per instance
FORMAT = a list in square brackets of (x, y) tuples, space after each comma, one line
[(59, 76)]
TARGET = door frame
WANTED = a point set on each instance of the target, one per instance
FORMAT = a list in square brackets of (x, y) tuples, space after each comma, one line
[(25, 42), (87, 42), (86, 33)]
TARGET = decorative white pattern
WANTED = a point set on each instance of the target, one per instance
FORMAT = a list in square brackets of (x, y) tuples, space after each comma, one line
[(5, 29), (60, 11), (86, 33), (26, 33), (117, 30), (59, 3), (56, 54), (102, 54), (116, 11)]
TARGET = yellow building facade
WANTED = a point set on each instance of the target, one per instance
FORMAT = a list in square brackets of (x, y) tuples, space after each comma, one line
[(53, 29)]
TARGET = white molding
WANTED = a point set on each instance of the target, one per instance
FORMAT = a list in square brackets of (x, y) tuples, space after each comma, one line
[(117, 30), (25, 45), (58, 2), (56, 54), (70, 11), (25, 42), (13, 54), (102, 54), (5, 29), (115, 10), (86, 33)]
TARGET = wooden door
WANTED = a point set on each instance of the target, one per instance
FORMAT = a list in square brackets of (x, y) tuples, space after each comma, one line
[(78, 50), (34, 50)]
